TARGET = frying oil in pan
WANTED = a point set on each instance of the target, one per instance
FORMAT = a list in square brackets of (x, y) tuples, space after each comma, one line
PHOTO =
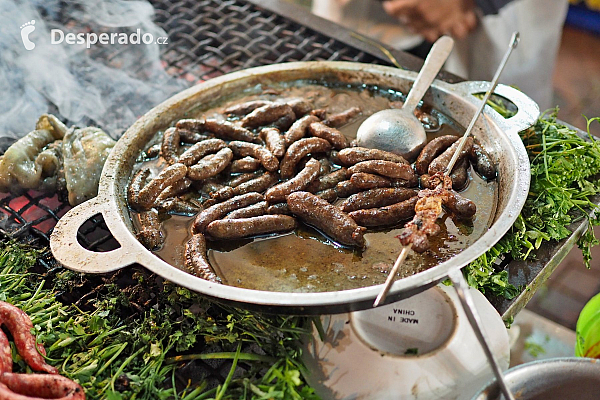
[(305, 260)]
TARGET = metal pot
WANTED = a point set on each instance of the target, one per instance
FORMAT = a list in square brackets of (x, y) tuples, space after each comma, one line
[(552, 379), (498, 135)]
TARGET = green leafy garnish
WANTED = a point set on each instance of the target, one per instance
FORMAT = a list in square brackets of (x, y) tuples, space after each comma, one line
[(130, 339), (564, 169)]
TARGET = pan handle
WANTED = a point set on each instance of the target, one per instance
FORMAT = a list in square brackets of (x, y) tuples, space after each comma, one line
[(67, 250), (527, 110)]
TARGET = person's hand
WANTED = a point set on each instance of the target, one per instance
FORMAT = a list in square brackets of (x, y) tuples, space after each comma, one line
[(434, 18)]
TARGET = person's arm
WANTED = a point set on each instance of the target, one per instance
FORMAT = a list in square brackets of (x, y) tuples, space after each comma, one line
[(433, 18)]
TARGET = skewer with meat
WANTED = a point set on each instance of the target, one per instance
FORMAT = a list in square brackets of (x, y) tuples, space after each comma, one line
[(427, 210)]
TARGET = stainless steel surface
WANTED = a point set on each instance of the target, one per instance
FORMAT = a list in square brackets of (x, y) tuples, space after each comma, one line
[(398, 130), (514, 41), (552, 379), (468, 306), (498, 135)]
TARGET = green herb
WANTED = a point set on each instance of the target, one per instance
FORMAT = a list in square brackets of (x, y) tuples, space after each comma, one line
[(413, 351), (534, 349), (563, 181), (117, 349)]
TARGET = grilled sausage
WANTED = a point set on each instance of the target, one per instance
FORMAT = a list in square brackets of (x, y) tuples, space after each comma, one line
[(326, 217), (328, 181), (150, 234), (178, 206), (211, 165), (285, 122), (342, 118), (196, 260), (376, 198), (298, 150), (230, 131), (253, 210), (460, 174), (279, 208), (440, 163), (320, 113), (175, 189), (332, 135), (39, 386), (219, 210), (353, 155), (246, 107), (6, 363), (364, 181), (388, 169), (326, 165), (246, 164), (192, 125), (266, 115), (153, 151), (169, 148), (298, 129), (267, 159), (482, 163), (258, 184), (460, 206), (195, 153), (253, 226), (241, 178), (167, 177), (431, 150), (279, 192), (387, 215), (137, 184), (274, 141), (300, 107), (191, 137), (328, 194), (346, 188), (210, 185), (19, 325)]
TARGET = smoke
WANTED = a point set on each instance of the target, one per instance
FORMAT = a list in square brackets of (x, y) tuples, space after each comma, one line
[(108, 85)]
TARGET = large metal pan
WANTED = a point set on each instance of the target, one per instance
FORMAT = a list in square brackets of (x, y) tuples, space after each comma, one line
[(498, 135)]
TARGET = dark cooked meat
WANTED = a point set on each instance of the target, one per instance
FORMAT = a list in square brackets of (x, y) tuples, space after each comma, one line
[(354, 155), (304, 178), (376, 198), (252, 226), (219, 210), (387, 215), (328, 218), (298, 150), (196, 260), (431, 150)]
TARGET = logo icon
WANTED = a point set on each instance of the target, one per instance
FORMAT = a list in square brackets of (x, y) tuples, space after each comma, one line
[(26, 30)]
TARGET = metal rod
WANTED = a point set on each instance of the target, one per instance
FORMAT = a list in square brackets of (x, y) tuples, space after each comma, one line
[(468, 305), (390, 278), (514, 41)]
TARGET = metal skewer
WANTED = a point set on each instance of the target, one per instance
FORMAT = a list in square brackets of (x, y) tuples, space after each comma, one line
[(514, 41), (456, 276)]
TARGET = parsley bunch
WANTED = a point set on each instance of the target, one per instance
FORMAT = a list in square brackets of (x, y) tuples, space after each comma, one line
[(564, 169), (118, 349)]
